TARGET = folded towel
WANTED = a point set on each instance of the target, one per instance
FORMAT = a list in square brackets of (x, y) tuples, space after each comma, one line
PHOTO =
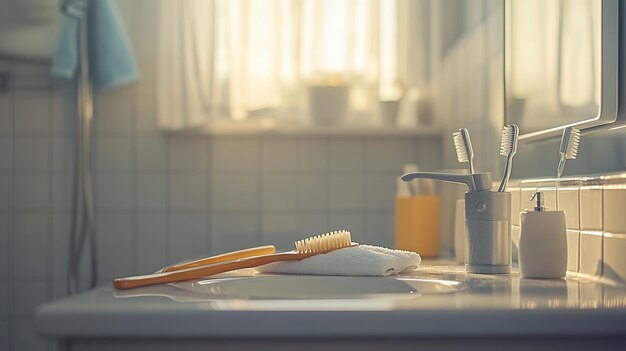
[(110, 56), (357, 260)]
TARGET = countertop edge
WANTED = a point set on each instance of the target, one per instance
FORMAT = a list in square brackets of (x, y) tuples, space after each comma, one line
[(57, 323)]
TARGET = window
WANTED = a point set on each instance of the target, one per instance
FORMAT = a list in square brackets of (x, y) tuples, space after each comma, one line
[(287, 61)]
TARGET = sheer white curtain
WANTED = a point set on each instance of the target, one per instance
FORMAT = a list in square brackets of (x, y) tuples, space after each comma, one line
[(239, 59), (186, 88)]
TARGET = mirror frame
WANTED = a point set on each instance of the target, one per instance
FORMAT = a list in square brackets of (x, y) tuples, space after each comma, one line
[(610, 94)]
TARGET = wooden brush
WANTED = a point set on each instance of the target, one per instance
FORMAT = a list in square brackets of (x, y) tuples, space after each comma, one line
[(305, 248), (230, 256)]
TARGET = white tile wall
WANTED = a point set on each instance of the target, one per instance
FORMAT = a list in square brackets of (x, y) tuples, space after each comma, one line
[(278, 192), (30, 240), (569, 202), (573, 250), (188, 192), (114, 153), (591, 217), (152, 242), (515, 205), (614, 249), (189, 155), (614, 198), (151, 191), (189, 236), (233, 231), (115, 245), (314, 222), (235, 154), (515, 234), (277, 229), (278, 155), (236, 192), (311, 192), (151, 153), (590, 253), (312, 155), (346, 192), (346, 156)]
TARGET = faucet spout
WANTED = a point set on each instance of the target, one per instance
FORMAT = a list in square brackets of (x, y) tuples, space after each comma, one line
[(474, 181)]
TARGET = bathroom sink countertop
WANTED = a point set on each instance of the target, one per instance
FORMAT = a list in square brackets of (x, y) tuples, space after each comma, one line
[(435, 300)]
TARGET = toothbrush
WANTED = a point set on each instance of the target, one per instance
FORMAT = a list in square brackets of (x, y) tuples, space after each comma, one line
[(508, 148), (569, 148), (230, 256), (305, 248), (464, 151)]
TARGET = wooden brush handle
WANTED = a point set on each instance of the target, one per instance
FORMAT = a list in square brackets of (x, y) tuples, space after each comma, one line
[(204, 271), (230, 256)]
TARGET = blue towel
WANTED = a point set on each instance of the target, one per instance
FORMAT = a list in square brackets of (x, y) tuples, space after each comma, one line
[(111, 59)]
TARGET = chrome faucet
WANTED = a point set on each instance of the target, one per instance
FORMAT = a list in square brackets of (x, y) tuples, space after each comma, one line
[(487, 221)]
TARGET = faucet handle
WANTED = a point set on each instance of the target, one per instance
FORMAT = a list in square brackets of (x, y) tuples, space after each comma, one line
[(475, 181)]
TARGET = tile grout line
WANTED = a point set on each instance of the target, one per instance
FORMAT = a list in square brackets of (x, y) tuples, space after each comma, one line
[(363, 205), (134, 186), (296, 209), (580, 227), (49, 200), (207, 201), (603, 231), (259, 170), (168, 199), (327, 142), (49, 234), (11, 224)]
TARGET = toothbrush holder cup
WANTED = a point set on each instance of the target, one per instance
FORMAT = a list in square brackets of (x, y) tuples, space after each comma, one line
[(487, 221), (488, 232)]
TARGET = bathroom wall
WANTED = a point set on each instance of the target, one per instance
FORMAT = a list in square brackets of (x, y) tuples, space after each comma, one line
[(166, 197), (466, 77), (465, 81)]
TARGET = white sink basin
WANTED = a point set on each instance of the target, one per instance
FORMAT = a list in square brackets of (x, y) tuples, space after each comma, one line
[(294, 287)]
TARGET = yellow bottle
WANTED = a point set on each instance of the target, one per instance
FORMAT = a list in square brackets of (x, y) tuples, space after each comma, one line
[(417, 223)]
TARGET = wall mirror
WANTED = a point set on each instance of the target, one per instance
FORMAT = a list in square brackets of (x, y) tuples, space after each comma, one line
[(561, 65)]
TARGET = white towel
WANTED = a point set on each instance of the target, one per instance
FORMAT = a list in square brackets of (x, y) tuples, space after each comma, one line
[(357, 260)]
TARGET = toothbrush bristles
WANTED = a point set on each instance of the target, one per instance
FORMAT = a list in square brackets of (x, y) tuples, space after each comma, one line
[(572, 144), (460, 144), (324, 242), (508, 145)]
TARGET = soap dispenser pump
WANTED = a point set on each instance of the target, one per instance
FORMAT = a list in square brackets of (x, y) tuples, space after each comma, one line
[(543, 242)]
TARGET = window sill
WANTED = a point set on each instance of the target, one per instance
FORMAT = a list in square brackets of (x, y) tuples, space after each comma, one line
[(262, 128)]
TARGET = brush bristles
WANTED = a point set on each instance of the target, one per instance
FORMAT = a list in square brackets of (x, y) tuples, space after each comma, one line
[(508, 145), (324, 242), (462, 153), (569, 143), (572, 144)]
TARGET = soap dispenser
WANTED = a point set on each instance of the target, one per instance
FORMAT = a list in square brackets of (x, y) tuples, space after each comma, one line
[(543, 242)]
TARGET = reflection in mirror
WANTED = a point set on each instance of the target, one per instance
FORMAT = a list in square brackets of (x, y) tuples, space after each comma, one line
[(561, 69), (553, 62)]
